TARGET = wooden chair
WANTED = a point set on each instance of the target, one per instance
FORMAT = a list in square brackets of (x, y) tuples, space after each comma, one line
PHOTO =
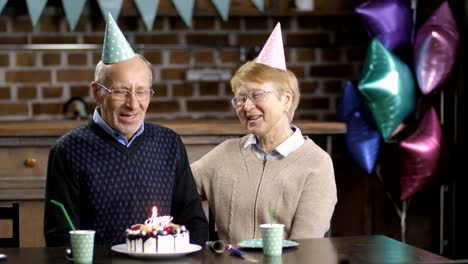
[(10, 212)]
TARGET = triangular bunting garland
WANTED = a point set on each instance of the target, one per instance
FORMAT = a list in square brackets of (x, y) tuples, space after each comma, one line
[(73, 9), (35, 8), (258, 4), (185, 10), (2, 4), (223, 8), (148, 10), (112, 7)]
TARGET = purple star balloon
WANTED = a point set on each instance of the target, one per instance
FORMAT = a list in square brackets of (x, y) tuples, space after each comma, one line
[(421, 155), (435, 49), (390, 21), (388, 88)]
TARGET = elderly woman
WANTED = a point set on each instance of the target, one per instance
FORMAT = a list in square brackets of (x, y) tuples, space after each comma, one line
[(273, 167)]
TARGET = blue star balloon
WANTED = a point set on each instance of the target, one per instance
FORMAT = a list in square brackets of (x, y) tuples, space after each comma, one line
[(350, 102), (362, 140), (387, 87)]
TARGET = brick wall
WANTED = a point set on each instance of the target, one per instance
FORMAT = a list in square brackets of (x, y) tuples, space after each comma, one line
[(324, 51)]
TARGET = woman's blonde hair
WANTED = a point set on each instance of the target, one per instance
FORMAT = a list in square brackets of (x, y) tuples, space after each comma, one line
[(281, 80)]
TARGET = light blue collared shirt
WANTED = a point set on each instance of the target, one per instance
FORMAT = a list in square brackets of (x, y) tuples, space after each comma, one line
[(291, 144), (97, 118)]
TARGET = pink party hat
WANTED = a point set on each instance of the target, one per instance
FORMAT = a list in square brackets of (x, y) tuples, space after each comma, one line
[(272, 53)]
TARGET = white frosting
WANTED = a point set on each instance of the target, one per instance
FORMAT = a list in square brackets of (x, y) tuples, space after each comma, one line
[(160, 244), (158, 241)]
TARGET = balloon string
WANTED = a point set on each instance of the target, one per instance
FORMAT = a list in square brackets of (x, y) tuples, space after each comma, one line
[(442, 107), (401, 212), (389, 195), (414, 6), (403, 221)]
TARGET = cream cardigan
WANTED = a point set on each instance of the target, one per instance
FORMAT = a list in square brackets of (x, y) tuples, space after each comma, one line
[(241, 188)]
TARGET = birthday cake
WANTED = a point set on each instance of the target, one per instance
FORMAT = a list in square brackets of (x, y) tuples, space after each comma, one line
[(157, 235)]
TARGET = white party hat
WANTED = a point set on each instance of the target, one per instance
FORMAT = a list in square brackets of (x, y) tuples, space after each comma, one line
[(116, 48), (272, 53)]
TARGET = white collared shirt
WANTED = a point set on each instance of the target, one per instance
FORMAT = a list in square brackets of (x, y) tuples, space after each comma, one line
[(291, 144), (97, 118)]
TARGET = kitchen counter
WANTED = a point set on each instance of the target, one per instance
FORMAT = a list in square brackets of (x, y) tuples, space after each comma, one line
[(186, 127), (24, 147)]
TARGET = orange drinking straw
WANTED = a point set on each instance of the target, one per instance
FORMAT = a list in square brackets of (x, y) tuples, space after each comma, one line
[(65, 213)]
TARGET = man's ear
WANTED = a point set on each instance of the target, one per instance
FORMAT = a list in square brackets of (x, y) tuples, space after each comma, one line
[(95, 92)]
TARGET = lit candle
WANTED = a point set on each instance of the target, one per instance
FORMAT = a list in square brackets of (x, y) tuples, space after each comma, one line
[(155, 212), (158, 221)]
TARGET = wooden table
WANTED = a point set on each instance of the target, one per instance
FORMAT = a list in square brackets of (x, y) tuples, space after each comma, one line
[(360, 249)]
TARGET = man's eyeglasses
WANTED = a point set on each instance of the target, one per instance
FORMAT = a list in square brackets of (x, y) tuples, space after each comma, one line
[(123, 94), (254, 96)]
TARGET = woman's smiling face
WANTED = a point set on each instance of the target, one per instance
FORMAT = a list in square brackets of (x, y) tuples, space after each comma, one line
[(267, 114)]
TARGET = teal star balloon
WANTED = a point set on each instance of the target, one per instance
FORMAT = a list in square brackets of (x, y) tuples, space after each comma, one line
[(388, 88)]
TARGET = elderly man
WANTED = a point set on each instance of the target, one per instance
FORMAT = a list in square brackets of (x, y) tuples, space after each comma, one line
[(110, 172)]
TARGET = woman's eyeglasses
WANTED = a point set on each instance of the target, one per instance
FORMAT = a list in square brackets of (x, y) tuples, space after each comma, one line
[(123, 94), (254, 96)]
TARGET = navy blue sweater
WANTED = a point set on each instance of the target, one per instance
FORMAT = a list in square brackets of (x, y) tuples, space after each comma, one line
[(107, 187)]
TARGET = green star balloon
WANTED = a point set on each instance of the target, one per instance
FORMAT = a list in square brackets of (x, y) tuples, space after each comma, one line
[(388, 88)]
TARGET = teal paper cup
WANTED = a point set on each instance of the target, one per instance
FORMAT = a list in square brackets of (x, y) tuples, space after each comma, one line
[(272, 239), (273, 260), (82, 243)]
